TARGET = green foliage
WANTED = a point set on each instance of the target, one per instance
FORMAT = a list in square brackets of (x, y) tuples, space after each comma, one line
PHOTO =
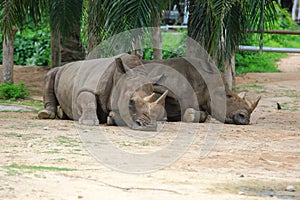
[(31, 45), (13, 92), (219, 25), (173, 44)]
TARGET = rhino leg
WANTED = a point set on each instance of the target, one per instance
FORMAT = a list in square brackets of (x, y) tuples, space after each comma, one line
[(88, 105), (50, 101), (114, 118), (192, 115)]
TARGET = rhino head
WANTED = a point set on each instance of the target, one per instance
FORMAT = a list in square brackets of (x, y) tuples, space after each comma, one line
[(238, 108), (134, 99)]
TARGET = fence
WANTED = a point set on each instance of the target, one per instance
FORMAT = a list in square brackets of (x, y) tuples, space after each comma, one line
[(255, 48), (272, 49)]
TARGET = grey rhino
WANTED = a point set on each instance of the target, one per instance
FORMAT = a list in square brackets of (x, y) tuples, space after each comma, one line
[(226, 106), (88, 90)]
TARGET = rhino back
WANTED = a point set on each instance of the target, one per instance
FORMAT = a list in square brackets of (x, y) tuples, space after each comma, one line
[(89, 75), (196, 84)]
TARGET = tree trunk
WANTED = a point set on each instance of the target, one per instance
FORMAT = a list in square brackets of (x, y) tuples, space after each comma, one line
[(191, 10), (67, 46), (71, 45), (156, 40), (72, 49), (55, 49), (229, 72), (69, 50), (8, 57)]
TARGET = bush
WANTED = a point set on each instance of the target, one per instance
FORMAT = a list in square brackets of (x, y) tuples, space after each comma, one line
[(13, 92)]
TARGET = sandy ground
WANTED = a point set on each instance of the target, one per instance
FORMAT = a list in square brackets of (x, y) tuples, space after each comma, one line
[(46, 159)]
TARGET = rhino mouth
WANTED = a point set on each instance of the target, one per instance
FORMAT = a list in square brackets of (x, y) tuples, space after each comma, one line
[(239, 119), (149, 127), (144, 123)]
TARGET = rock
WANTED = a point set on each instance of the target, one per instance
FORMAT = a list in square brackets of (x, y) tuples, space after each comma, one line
[(29, 145), (290, 188), (241, 193), (46, 128)]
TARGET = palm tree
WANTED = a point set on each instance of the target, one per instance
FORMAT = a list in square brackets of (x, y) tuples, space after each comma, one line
[(65, 25), (12, 14), (220, 26), (109, 17)]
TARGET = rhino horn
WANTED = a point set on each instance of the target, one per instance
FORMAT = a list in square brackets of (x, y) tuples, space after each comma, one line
[(149, 98), (254, 105), (162, 98)]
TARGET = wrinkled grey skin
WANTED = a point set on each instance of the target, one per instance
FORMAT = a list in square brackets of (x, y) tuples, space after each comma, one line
[(237, 109), (87, 91)]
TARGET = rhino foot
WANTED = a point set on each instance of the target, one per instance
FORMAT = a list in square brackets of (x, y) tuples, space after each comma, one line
[(203, 116), (89, 122), (111, 119), (192, 115), (46, 114), (89, 118)]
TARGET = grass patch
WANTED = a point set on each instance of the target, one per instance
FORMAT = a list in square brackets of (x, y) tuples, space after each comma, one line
[(291, 93), (68, 142), (254, 62), (54, 151), (9, 135), (32, 103), (244, 88), (38, 168), (289, 106)]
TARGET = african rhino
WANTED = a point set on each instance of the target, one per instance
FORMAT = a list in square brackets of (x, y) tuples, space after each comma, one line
[(88, 90), (183, 106)]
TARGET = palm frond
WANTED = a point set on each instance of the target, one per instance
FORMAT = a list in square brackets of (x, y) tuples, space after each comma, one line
[(220, 25), (65, 15), (8, 16), (131, 14), (14, 12)]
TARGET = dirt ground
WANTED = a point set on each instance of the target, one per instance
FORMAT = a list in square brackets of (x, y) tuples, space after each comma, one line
[(46, 159)]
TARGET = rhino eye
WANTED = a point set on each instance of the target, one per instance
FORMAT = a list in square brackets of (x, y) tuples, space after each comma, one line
[(131, 102)]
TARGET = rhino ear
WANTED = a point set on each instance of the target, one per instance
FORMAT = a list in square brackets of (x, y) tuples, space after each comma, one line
[(121, 66), (158, 79)]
